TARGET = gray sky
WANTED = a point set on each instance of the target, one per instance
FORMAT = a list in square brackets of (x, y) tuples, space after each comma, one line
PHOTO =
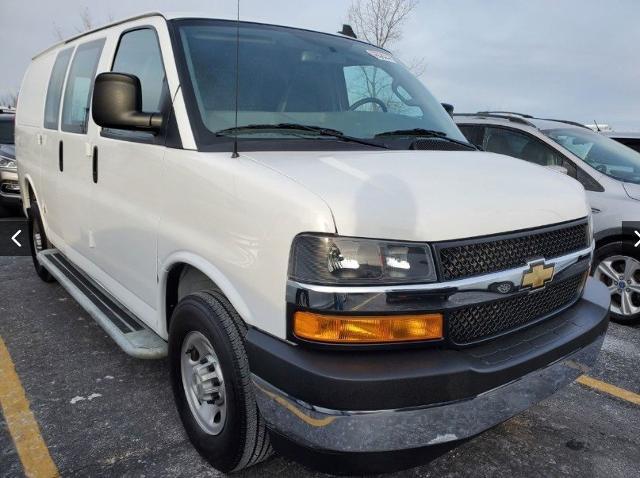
[(570, 59)]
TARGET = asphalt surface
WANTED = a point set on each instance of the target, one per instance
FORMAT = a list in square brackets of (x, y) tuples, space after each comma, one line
[(102, 413)]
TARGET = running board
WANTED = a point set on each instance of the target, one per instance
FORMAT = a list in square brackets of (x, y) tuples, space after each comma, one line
[(131, 335)]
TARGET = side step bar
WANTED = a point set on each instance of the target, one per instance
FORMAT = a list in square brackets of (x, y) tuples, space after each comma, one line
[(133, 337)]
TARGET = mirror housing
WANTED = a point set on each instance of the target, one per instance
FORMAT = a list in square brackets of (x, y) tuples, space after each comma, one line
[(448, 108), (557, 168), (117, 104)]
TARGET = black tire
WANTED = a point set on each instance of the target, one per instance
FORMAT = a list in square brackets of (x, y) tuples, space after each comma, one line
[(243, 441), (622, 248), (36, 227)]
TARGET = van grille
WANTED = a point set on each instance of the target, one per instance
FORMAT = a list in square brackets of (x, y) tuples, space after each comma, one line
[(462, 259), (482, 321)]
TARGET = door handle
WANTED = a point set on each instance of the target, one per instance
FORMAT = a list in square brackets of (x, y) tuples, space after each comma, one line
[(95, 164), (60, 156)]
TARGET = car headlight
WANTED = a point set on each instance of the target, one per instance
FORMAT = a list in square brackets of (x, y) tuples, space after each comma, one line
[(7, 163), (335, 260)]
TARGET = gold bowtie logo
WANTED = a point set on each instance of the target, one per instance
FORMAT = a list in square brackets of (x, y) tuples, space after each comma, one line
[(538, 275)]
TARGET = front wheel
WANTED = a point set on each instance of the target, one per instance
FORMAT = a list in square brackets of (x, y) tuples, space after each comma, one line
[(617, 265), (212, 384)]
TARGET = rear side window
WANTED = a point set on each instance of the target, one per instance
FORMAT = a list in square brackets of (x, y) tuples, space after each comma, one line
[(139, 54), (77, 93), (54, 90)]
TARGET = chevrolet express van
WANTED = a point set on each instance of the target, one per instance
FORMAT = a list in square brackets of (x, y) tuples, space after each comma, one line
[(333, 271)]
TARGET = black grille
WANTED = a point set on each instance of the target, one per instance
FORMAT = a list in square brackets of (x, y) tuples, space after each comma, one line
[(477, 322), (488, 255)]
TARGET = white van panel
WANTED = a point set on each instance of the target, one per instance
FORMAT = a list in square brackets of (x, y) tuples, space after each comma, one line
[(33, 91)]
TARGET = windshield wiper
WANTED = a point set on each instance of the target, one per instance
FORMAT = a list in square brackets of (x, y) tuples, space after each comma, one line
[(286, 127), (429, 133)]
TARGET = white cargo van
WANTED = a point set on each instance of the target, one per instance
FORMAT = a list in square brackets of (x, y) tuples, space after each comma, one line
[(331, 268)]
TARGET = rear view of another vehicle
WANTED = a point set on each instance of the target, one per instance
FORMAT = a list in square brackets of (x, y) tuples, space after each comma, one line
[(9, 186)]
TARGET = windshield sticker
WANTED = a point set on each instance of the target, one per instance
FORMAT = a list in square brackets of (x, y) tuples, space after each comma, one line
[(381, 55)]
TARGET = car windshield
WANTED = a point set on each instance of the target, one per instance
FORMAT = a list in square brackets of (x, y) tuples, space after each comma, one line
[(7, 130), (295, 77), (602, 153)]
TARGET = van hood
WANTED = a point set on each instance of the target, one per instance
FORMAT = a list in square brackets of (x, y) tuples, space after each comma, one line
[(431, 195)]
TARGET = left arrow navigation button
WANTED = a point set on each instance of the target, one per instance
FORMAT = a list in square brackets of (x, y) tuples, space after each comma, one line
[(15, 236)]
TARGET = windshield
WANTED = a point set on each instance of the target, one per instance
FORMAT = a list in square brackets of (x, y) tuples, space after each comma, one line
[(6, 130), (602, 153), (290, 76)]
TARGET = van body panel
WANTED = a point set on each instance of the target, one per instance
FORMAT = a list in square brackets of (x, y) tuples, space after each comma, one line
[(240, 217), (412, 195)]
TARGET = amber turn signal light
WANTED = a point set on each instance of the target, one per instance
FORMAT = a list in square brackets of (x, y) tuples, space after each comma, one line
[(367, 329)]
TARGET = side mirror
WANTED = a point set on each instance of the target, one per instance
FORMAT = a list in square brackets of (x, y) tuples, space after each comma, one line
[(558, 169), (449, 108), (117, 103)]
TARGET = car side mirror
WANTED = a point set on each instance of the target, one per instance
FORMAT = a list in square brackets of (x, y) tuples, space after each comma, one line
[(117, 103), (448, 108), (557, 168)]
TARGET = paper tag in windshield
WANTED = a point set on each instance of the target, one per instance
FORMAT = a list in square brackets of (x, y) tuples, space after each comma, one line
[(381, 55)]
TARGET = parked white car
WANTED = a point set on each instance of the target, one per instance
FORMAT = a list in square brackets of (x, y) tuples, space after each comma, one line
[(610, 174), (331, 268)]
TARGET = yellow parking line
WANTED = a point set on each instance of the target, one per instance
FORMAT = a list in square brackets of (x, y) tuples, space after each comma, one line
[(610, 389), (32, 450)]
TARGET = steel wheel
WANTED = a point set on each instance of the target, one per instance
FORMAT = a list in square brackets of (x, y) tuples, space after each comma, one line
[(203, 383), (621, 275)]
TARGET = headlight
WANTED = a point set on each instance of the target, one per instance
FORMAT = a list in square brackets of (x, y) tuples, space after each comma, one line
[(7, 163), (335, 260)]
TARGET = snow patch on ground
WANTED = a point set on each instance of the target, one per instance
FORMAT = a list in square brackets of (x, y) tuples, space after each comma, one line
[(80, 398)]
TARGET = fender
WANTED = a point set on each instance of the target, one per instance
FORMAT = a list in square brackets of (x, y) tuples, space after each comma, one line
[(208, 269), (28, 185)]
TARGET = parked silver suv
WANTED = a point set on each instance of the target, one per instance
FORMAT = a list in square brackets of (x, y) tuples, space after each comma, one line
[(608, 170)]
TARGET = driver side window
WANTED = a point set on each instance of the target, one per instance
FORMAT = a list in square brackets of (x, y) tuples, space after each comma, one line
[(372, 83), (139, 54)]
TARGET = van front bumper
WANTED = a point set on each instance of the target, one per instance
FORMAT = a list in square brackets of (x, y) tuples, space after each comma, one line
[(384, 401)]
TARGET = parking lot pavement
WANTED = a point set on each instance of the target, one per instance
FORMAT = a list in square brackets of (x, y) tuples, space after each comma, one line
[(102, 413)]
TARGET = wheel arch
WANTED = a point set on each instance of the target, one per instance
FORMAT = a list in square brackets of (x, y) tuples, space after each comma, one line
[(28, 192), (610, 239), (173, 272)]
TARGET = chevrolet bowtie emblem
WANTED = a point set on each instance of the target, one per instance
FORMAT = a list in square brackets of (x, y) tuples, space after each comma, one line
[(538, 275)]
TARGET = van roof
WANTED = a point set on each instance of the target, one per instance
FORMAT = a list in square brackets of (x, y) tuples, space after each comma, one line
[(181, 15)]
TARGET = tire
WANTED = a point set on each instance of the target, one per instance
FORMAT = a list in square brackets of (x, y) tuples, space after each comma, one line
[(38, 241), (609, 267), (241, 440)]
